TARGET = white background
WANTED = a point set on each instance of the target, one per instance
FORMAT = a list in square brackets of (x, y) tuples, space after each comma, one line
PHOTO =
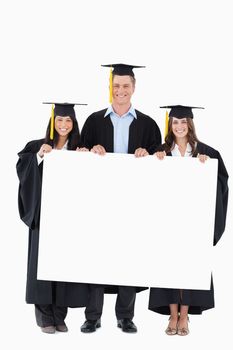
[(53, 50)]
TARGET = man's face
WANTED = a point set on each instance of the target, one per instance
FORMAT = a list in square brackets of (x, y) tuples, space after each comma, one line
[(122, 89)]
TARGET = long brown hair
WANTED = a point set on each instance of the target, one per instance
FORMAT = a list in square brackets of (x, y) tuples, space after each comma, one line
[(191, 136)]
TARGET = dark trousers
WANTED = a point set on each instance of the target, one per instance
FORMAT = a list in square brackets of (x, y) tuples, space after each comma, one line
[(50, 315), (124, 307)]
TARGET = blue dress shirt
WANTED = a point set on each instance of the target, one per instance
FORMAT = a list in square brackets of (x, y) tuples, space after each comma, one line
[(121, 126)]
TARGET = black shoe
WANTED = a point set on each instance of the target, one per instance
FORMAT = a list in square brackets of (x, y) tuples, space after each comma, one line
[(62, 328), (90, 326), (48, 329), (127, 325)]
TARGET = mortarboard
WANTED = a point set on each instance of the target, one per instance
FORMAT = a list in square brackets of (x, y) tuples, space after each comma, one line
[(179, 111), (122, 69), (63, 110)]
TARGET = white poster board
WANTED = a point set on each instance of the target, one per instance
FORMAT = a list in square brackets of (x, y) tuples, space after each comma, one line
[(121, 220)]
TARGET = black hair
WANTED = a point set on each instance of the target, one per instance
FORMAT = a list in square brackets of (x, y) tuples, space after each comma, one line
[(73, 137)]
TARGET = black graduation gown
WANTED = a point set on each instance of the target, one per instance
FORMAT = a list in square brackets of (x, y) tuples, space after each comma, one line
[(29, 200), (198, 300), (143, 132)]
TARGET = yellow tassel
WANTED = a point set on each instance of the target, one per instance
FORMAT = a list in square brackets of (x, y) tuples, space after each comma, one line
[(166, 125), (110, 85), (52, 124)]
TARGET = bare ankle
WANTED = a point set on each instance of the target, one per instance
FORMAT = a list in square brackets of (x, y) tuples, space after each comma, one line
[(173, 318), (183, 318)]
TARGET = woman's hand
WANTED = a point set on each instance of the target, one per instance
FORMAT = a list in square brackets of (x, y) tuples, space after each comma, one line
[(160, 155), (202, 157), (45, 148)]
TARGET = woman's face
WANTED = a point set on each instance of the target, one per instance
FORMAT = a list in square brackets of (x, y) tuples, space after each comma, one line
[(179, 127), (63, 125)]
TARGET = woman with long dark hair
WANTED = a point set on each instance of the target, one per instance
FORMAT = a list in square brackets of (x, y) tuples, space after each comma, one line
[(51, 299), (181, 140)]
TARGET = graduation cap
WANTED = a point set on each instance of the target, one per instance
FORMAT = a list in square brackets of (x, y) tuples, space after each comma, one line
[(122, 69), (179, 111), (119, 69), (62, 109)]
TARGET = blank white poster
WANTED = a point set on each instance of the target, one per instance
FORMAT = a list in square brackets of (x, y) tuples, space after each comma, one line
[(121, 220)]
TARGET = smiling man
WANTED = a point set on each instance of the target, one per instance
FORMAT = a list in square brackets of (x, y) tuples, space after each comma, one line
[(118, 129)]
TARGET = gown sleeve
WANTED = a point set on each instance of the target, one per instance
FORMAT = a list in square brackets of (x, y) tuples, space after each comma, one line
[(29, 193), (155, 138), (221, 199), (222, 191)]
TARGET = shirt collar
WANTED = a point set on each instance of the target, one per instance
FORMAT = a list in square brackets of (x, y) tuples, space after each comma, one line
[(65, 147), (130, 111), (188, 148)]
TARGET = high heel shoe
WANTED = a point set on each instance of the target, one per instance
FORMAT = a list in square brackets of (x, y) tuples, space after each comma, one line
[(184, 330), (169, 330)]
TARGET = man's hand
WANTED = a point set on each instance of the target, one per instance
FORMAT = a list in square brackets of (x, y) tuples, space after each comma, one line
[(82, 149), (99, 150), (141, 152)]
